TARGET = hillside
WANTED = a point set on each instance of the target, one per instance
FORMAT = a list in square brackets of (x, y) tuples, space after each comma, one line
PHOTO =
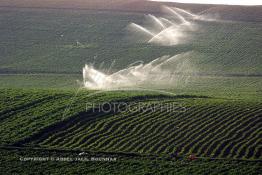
[(47, 41), (207, 127)]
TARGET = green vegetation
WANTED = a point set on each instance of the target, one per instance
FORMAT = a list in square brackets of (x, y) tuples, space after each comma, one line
[(125, 164), (207, 127), (40, 81), (62, 41), (43, 110)]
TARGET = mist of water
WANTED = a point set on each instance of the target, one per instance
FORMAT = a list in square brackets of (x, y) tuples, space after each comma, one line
[(139, 28), (172, 29), (164, 72), (161, 72)]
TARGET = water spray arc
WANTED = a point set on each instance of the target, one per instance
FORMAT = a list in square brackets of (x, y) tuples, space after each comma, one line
[(170, 30), (163, 72), (141, 29), (175, 14)]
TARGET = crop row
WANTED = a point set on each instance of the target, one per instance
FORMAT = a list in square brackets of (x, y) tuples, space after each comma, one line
[(207, 130)]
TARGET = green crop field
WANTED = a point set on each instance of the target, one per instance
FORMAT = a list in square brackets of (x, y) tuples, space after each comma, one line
[(125, 164), (46, 112), (45, 41), (217, 130)]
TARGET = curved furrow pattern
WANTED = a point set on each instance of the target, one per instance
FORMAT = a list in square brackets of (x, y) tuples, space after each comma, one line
[(97, 126), (229, 136), (58, 136), (182, 132), (140, 131), (165, 129), (90, 137), (251, 139), (84, 135), (139, 128), (66, 136), (140, 138), (220, 132), (243, 151), (215, 130), (136, 144), (141, 134), (216, 141), (251, 150), (257, 144), (242, 134), (149, 141), (186, 135), (71, 131), (114, 130), (208, 129), (127, 129), (258, 150), (218, 129), (192, 134)]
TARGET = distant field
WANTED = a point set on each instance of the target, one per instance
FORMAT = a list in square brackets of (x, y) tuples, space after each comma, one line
[(40, 81), (39, 50), (45, 41), (244, 88)]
